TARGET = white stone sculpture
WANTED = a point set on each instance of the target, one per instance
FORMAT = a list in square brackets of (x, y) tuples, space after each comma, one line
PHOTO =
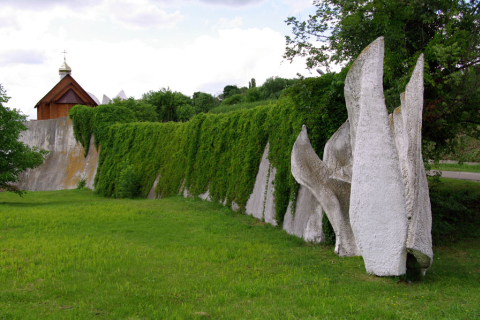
[(407, 128), (377, 204), (332, 194), (386, 209)]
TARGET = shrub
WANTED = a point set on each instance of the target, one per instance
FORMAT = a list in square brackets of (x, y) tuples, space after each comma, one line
[(127, 184), (81, 183)]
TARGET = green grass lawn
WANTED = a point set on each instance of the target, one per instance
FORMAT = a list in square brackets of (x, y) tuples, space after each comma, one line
[(71, 254), (456, 167)]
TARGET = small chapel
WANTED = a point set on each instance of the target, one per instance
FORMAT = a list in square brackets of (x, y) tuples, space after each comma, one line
[(63, 96)]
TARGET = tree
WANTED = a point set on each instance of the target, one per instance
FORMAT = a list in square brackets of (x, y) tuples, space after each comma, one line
[(166, 102), (446, 31), (253, 94), (252, 83), (204, 102), (230, 90), (144, 112), (273, 86), (15, 156)]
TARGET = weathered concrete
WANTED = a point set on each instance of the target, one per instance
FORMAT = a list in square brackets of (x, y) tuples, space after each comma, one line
[(65, 165), (261, 203), (307, 221), (377, 205), (152, 194), (332, 194), (337, 154), (407, 124)]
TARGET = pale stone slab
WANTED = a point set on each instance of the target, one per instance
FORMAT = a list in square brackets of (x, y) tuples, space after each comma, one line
[(152, 194), (261, 202), (307, 221), (337, 154), (311, 172), (377, 204), (407, 123)]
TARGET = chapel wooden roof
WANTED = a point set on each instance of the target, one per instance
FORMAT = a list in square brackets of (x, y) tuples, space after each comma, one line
[(67, 90)]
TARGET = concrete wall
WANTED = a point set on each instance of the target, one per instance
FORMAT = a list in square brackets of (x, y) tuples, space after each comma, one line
[(65, 164)]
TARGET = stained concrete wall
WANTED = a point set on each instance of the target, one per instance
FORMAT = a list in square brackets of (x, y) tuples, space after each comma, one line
[(65, 164)]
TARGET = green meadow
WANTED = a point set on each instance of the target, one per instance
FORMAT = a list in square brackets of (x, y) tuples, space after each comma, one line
[(75, 255)]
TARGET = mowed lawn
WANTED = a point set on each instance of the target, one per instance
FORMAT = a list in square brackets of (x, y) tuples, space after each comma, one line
[(72, 254)]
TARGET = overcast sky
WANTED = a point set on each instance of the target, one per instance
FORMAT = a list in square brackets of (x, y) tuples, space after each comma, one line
[(143, 45)]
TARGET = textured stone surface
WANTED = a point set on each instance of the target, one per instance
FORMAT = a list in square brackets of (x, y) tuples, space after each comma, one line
[(106, 100), (337, 154), (261, 202), (152, 194), (332, 194), (407, 124), (377, 205), (65, 164), (307, 221)]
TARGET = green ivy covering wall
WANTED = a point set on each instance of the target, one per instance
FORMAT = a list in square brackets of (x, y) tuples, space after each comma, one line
[(216, 152)]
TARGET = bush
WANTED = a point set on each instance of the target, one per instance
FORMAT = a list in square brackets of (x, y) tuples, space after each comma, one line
[(185, 112), (127, 184), (234, 99), (455, 211), (81, 183)]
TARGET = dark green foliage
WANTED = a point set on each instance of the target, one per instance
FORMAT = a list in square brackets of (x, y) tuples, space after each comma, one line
[(185, 112), (82, 118), (204, 102), (328, 231), (107, 115), (252, 83), (230, 90), (15, 156), (414, 271), (273, 86), (244, 105), (446, 31), (322, 103), (455, 213), (81, 183), (127, 184), (96, 121), (234, 99), (253, 94), (166, 103), (142, 111)]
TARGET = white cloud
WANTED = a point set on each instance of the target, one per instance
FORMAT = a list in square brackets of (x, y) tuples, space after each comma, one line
[(224, 23), (21, 56), (299, 5), (141, 14), (232, 3)]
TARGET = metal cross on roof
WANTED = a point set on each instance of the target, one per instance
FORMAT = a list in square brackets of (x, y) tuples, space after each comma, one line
[(64, 55)]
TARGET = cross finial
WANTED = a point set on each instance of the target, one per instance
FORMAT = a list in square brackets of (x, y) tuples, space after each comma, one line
[(64, 55)]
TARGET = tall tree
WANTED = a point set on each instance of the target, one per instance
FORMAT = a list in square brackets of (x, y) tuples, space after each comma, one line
[(15, 156), (166, 102), (446, 31)]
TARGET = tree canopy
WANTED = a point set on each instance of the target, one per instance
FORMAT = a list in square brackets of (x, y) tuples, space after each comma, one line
[(15, 156), (446, 31)]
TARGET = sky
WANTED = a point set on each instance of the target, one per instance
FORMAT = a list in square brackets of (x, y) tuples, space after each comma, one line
[(143, 45)]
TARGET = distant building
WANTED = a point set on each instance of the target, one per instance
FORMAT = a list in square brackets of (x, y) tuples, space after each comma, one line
[(63, 96)]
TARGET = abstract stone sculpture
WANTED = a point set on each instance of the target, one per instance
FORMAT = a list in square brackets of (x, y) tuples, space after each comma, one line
[(407, 128), (332, 194), (372, 182)]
